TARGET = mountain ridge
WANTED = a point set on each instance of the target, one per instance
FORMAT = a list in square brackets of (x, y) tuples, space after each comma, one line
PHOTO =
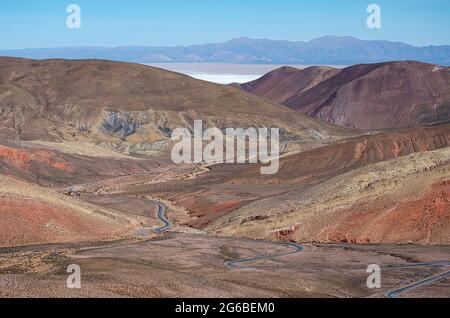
[(331, 50), (122, 104), (365, 96)]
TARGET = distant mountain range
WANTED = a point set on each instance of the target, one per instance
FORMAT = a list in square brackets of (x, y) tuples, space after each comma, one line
[(329, 50)]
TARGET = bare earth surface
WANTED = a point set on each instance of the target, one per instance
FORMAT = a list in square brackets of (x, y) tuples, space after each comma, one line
[(366, 96), (189, 265), (111, 210), (95, 186)]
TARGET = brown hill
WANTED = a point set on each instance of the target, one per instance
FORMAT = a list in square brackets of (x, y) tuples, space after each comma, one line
[(31, 214), (49, 167), (215, 195), (95, 100), (366, 96), (320, 164), (402, 200), (285, 82)]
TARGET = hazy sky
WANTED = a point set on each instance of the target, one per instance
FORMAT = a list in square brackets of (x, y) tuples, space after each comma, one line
[(42, 23)]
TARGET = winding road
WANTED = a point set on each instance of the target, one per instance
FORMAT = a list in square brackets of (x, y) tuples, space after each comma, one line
[(297, 248), (162, 216), (422, 283)]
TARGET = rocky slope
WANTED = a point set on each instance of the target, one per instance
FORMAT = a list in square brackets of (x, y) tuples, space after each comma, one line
[(329, 161), (116, 103), (62, 124), (231, 191), (366, 96), (31, 214), (285, 82), (48, 166), (402, 200)]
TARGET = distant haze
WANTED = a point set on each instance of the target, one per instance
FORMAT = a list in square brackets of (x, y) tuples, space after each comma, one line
[(328, 50)]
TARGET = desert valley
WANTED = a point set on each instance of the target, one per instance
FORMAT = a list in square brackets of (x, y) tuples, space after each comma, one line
[(86, 178)]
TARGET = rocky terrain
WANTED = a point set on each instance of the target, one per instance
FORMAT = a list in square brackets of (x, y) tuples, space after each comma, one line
[(366, 96), (30, 215), (283, 83), (226, 188), (46, 155), (86, 177), (191, 265), (131, 108), (402, 200)]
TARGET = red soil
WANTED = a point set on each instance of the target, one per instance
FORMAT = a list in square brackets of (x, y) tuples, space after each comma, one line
[(27, 221), (326, 162), (203, 212), (424, 220), (22, 159)]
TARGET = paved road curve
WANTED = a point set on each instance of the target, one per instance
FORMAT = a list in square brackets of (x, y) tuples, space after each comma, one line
[(296, 248), (162, 216), (422, 283)]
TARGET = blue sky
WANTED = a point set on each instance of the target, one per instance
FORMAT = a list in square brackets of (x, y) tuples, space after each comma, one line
[(42, 23)]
